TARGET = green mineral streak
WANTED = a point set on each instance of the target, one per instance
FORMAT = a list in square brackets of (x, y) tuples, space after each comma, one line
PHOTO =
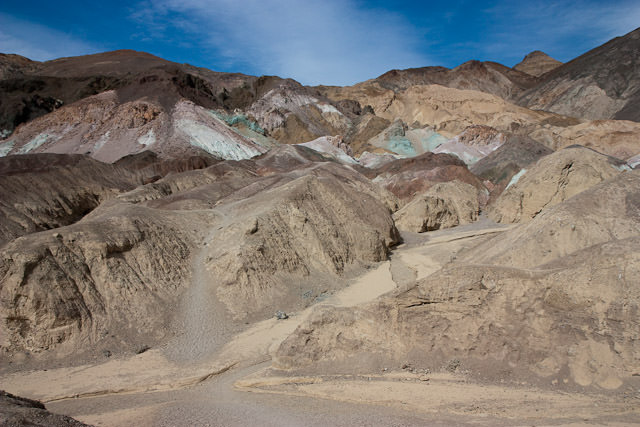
[(401, 145), (237, 119)]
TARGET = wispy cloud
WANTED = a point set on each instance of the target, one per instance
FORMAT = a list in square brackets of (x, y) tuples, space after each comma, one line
[(330, 41), (39, 42)]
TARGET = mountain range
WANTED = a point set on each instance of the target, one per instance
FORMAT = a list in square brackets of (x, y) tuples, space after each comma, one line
[(458, 246)]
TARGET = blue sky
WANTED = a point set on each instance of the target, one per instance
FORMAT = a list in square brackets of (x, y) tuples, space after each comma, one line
[(328, 41)]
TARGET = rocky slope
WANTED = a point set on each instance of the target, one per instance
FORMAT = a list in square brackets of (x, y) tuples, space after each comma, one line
[(601, 84), (607, 211), (527, 316), (517, 153), (293, 228), (407, 178), (18, 411), (553, 179), (489, 77), (276, 233), (47, 191), (118, 103)]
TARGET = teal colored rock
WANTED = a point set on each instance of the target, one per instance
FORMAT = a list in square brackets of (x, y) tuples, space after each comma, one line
[(236, 119), (401, 145)]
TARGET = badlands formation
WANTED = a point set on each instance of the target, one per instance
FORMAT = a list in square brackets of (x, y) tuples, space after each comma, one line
[(180, 246)]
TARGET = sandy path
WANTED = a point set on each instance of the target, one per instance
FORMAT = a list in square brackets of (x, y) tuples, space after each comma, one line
[(205, 324), (452, 395), (218, 403)]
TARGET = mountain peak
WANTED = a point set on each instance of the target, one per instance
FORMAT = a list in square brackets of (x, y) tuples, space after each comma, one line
[(537, 63)]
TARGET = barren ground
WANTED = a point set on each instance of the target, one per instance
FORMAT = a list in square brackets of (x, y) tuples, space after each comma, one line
[(222, 377)]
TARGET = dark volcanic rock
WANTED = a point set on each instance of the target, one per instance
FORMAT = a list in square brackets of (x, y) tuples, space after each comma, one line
[(500, 166), (18, 411)]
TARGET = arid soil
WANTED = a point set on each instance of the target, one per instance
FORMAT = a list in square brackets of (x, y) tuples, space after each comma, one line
[(148, 389)]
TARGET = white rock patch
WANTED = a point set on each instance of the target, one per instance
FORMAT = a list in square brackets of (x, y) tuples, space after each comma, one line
[(34, 143), (103, 140), (516, 178), (5, 148), (215, 142), (147, 139)]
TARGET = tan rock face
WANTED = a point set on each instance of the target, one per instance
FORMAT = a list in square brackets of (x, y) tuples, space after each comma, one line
[(609, 210), (520, 306), (444, 205), (537, 63), (551, 180), (106, 275), (494, 322), (318, 221)]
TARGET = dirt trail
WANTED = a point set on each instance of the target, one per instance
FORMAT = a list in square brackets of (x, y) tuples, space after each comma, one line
[(204, 325), (452, 395)]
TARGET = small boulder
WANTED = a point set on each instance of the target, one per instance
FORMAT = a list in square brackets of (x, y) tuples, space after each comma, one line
[(281, 315)]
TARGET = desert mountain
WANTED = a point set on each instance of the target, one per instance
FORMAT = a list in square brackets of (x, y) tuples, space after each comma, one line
[(537, 63), (489, 77), (460, 243), (601, 84), (119, 103)]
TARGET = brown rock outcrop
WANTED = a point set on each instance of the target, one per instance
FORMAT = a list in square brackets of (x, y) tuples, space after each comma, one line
[(551, 180), (18, 411), (44, 191), (516, 153), (407, 178), (444, 205)]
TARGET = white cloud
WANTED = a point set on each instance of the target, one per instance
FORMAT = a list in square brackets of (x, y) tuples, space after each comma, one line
[(329, 42), (38, 42)]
